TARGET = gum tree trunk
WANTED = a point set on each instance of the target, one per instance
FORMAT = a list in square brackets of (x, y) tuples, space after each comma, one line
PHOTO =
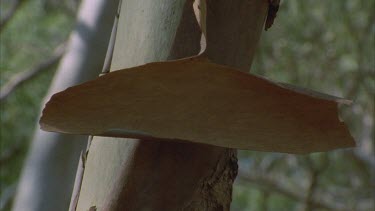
[(128, 174), (47, 179)]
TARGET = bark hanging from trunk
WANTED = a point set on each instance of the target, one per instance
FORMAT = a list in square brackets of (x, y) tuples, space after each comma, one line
[(126, 174), (48, 175)]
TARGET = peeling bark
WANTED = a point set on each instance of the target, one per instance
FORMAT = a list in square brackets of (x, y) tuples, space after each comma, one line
[(128, 174)]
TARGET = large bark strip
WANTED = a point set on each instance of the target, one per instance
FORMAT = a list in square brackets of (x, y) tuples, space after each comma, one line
[(48, 175), (125, 174)]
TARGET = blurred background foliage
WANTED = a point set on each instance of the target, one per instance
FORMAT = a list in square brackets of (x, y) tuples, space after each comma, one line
[(328, 46), (35, 29)]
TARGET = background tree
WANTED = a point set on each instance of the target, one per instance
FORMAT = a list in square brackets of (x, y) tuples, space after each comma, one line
[(327, 46), (50, 167)]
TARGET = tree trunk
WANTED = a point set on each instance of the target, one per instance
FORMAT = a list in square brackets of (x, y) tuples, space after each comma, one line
[(128, 174), (48, 176)]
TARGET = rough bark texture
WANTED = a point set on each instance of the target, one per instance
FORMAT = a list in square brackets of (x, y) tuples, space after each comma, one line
[(48, 175), (215, 191), (126, 174), (174, 176)]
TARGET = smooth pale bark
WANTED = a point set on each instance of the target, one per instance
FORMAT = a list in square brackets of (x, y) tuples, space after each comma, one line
[(48, 175), (125, 174)]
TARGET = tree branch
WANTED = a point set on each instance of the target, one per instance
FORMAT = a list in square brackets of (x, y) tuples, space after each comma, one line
[(10, 153), (8, 16), (22, 77), (267, 183), (315, 172), (365, 162)]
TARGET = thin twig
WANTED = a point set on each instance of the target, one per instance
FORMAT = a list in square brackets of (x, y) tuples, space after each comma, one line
[(8, 16), (24, 76), (267, 183)]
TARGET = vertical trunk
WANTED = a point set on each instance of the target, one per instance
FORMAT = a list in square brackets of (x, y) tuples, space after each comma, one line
[(48, 176), (128, 174)]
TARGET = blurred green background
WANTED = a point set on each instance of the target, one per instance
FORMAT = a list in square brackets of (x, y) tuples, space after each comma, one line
[(328, 46)]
